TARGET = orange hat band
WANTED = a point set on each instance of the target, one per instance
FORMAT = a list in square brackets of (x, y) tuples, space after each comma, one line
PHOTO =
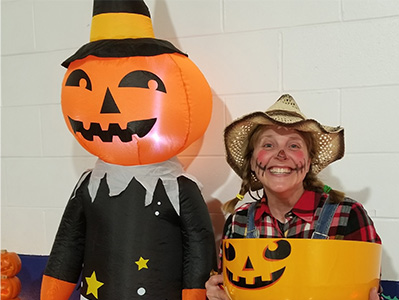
[(120, 26)]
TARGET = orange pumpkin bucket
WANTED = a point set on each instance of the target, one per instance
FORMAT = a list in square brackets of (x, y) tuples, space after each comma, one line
[(300, 269)]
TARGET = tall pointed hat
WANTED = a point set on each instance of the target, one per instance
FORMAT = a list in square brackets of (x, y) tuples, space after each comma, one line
[(122, 28)]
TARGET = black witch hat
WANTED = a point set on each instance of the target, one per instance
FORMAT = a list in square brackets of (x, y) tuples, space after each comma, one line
[(122, 28)]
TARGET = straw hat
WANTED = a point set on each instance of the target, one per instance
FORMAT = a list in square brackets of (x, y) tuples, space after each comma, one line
[(285, 112)]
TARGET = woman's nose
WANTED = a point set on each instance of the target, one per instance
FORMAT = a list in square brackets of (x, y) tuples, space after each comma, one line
[(281, 154)]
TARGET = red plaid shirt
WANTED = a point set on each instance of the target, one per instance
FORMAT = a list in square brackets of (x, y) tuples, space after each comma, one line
[(350, 222)]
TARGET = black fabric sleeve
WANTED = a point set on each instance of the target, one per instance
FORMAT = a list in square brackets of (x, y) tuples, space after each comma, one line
[(199, 253), (66, 257)]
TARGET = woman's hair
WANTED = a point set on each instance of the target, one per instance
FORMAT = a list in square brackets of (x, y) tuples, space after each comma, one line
[(311, 182)]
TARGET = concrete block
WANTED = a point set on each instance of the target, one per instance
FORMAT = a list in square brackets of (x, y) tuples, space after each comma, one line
[(23, 230), (21, 134), (367, 178), (369, 9), (32, 79), (260, 14), (62, 24), (177, 18), (370, 119), (17, 27), (237, 63), (42, 182), (342, 55)]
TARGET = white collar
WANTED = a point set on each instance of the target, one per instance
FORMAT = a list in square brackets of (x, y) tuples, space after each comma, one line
[(118, 178)]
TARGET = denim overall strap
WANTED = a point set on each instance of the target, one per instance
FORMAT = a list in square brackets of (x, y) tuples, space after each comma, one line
[(252, 231), (326, 216)]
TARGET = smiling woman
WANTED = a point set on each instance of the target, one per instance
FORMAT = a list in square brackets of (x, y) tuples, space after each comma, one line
[(278, 154)]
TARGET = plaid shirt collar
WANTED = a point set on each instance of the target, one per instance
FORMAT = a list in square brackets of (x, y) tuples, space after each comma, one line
[(304, 208)]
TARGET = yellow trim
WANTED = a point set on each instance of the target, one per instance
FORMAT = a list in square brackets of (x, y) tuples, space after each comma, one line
[(120, 26)]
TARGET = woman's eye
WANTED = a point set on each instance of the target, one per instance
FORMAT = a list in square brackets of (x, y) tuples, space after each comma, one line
[(267, 145), (295, 146)]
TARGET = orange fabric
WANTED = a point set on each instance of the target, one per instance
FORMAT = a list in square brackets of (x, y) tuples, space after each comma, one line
[(194, 294), (55, 289)]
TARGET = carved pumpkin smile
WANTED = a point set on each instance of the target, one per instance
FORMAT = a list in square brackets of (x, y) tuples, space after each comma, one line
[(258, 282), (139, 128)]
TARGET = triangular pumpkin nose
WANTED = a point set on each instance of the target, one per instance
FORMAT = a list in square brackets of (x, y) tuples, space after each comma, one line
[(248, 265), (109, 105)]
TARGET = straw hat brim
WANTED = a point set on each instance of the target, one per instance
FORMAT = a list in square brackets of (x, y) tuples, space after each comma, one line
[(329, 140)]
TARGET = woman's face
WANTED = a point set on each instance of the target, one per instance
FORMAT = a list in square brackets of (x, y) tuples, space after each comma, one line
[(280, 160)]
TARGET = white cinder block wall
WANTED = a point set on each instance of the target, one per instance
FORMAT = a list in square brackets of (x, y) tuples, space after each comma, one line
[(338, 58)]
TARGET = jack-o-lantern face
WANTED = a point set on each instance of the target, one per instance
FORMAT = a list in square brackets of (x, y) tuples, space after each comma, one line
[(299, 269), (10, 287), (249, 276), (10, 263), (136, 110)]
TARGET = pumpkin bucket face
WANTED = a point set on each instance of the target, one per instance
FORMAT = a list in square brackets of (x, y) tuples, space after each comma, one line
[(136, 110), (300, 269)]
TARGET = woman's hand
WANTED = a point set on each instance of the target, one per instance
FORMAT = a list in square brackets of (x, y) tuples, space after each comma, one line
[(374, 294), (214, 291)]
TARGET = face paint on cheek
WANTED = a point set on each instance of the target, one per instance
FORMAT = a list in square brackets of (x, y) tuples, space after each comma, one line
[(261, 161), (300, 167), (302, 161), (263, 157)]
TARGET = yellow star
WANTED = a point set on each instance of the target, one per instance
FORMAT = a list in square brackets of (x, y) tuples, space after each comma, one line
[(142, 263), (93, 285)]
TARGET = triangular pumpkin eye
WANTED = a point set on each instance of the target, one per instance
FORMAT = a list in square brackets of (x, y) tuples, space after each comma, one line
[(76, 76), (141, 79)]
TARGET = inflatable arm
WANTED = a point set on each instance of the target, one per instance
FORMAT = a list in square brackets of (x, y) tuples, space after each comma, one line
[(199, 244), (65, 262)]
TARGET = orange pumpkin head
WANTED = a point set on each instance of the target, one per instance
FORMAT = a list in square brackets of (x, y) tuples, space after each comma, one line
[(136, 110), (129, 98), (299, 269), (10, 287), (10, 263)]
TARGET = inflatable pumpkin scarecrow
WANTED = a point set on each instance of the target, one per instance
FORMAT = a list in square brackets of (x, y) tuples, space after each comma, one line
[(136, 225)]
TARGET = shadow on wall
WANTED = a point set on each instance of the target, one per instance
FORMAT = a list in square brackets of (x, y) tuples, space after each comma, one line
[(218, 179), (162, 23), (361, 196)]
